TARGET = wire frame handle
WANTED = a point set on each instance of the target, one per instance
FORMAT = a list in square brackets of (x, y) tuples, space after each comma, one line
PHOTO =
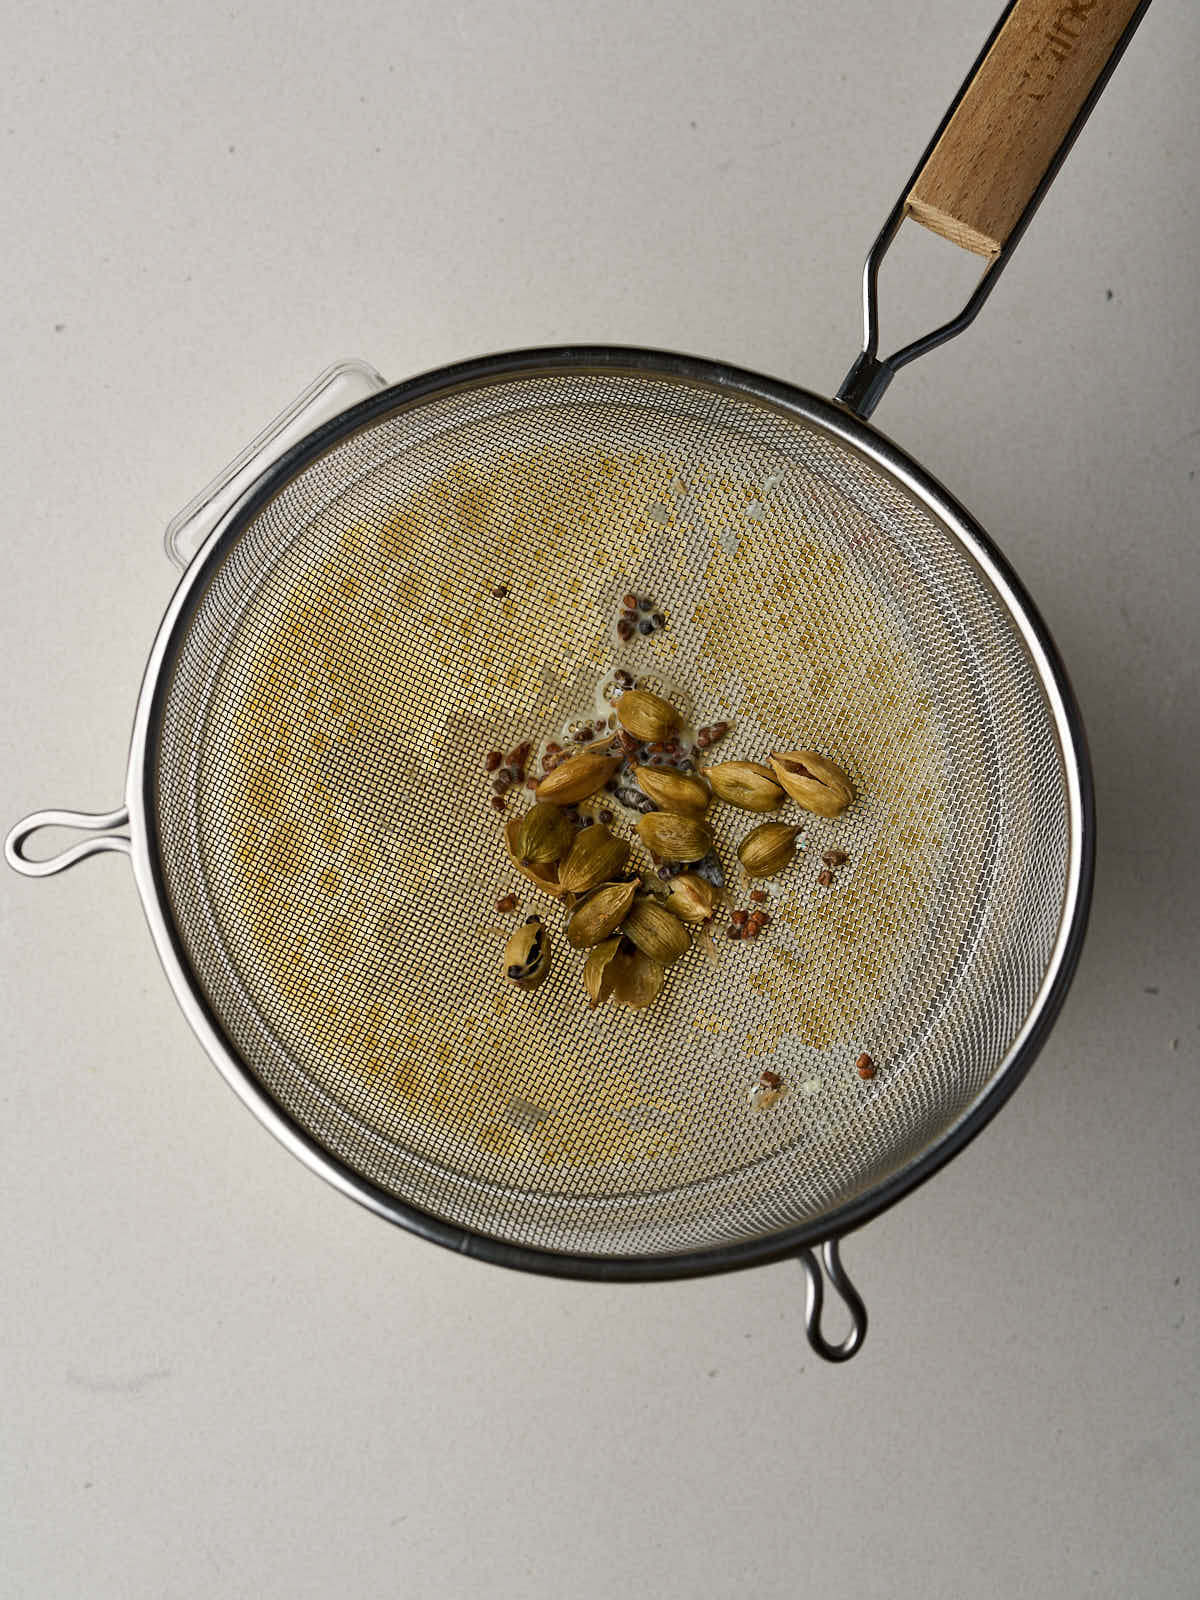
[(994, 155)]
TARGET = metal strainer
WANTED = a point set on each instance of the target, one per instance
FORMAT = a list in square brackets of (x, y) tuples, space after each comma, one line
[(435, 572)]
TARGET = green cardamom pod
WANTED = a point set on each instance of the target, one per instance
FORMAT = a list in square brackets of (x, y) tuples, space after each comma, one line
[(544, 875), (813, 781), (674, 838), (545, 834), (691, 898), (577, 777), (655, 931), (747, 784), (679, 792), (598, 976), (767, 849), (596, 857), (601, 914), (637, 979), (647, 716)]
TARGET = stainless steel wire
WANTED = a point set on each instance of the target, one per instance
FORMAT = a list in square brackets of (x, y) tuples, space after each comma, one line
[(331, 860)]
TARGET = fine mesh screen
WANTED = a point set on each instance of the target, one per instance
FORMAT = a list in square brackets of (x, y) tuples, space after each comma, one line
[(332, 861)]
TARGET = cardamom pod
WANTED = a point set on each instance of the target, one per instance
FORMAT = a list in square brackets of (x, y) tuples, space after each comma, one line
[(527, 955), (545, 834), (596, 857), (598, 976), (637, 979), (747, 784), (813, 781), (544, 875), (690, 898), (656, 932), (601, 914), (679, 792), (647, 716), (767, 849), (577, 777), (674, 838)]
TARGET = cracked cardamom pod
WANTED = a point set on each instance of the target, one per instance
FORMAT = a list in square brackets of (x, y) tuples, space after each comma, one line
[(656, 932), (674, 838), (527, 955), (813, 781), (543, 875), (596, 857), (679, 792), (767, 849), (647, 716), (545, 834), (598, 976), (690, 898), (747, 784), (601, 914), (577, 777), (637, 979)]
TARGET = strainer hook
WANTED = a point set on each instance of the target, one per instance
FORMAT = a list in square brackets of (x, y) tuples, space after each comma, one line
[(815, 1300), (104, 829)]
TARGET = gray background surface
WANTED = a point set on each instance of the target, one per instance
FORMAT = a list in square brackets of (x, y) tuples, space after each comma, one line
[(222, 1379)]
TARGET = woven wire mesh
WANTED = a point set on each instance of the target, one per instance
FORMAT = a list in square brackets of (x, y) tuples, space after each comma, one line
[(332, 860)]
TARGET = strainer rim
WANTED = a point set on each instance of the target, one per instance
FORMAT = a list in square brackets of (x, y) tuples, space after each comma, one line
[(881, 454)]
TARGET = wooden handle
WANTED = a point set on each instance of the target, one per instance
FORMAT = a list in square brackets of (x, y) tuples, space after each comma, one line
[(1013, 117)]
